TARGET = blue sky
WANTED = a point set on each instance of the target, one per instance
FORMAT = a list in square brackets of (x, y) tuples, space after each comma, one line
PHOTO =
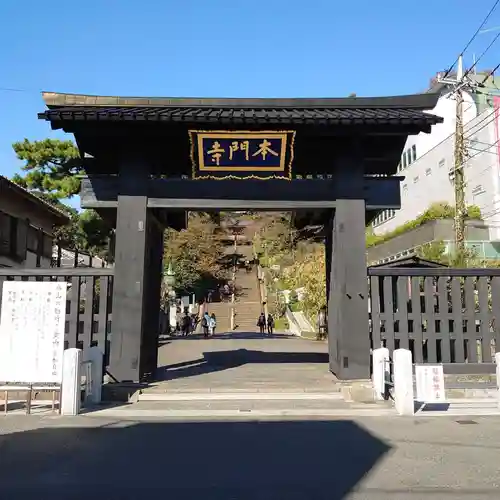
[(223, 48)]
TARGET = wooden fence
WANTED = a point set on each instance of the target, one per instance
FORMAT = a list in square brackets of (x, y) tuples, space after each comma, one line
[(88, 304), (442, 315)]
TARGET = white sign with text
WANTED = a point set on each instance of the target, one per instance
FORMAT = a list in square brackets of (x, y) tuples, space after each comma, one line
[(430, 383), (32, 321)]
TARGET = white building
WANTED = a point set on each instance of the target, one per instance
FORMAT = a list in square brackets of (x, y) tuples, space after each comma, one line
[(427, 164)]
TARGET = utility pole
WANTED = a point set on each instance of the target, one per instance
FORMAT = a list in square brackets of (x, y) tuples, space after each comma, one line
[(459, 158), (460, 208)]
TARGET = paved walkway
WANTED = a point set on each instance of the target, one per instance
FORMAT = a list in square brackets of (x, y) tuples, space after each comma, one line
[(244, 362), (388, 458)]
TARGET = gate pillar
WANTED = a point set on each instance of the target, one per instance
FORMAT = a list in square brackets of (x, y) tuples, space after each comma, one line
[(129, 320), (348, 334)]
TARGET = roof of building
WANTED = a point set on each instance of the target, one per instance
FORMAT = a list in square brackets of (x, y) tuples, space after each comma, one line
[(61, 217), (395, 110), (412, 261)]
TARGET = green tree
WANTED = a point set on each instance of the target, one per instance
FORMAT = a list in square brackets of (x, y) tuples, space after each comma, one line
[(196, 254), (51, 167), (51, 171)]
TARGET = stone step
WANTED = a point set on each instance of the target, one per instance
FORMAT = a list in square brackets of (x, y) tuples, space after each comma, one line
[(149, 395), (252, 405), (242, 410)]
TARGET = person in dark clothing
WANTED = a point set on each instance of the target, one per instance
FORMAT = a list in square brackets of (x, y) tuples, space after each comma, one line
[(270, 324), (261, 322), (186, 324), (204, 324), (194, 322)]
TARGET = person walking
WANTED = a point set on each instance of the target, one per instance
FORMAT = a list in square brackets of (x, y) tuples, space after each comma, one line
[(213, 324), (186, 324), (322, 323), (261, 322), (270, 324), (205, 322)]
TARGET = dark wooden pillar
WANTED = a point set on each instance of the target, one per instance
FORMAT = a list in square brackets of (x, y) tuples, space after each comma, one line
[(349, 344), (149, 352), (328, 253), (129, 288)]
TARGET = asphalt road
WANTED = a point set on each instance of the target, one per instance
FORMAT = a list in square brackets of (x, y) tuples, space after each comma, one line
[(368, 459)]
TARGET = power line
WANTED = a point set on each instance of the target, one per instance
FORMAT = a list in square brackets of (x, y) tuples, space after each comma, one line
[(485, 20), (482, 55), (13, 89)]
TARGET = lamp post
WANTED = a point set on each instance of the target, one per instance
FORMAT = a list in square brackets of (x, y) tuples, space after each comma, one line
[(169, 277)]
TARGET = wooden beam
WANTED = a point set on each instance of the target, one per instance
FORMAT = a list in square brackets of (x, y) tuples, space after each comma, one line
[(378, 192)]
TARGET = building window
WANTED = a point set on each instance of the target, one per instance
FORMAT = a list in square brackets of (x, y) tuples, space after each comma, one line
[(428, 171), (414, 152), (442, 163), (408, 156), (403, 159), (415, 179)]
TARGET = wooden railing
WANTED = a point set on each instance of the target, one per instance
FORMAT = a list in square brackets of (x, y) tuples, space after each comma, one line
[(88, 304), (442, 315)]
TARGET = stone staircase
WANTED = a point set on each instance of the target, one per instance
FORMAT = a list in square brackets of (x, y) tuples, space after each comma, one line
[(248, 302), (222, 311)]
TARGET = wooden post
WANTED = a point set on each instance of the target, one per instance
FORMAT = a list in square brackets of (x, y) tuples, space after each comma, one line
[(348, 332), (328, 253), (129, 311), (149, 352)]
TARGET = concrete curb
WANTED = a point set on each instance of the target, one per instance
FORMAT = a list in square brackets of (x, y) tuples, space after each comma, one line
[(248, 415), (231, 396)]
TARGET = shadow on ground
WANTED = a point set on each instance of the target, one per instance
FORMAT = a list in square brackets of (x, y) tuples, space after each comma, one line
[(215, 361), (230, 336), (289, 460)]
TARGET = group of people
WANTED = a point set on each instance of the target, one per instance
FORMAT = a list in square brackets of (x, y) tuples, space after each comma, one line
[(208, 324), (264, 323), (186, 323)]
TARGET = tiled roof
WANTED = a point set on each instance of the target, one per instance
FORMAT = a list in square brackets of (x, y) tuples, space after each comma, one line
[(331, 111), (8, 184), (332, 116)]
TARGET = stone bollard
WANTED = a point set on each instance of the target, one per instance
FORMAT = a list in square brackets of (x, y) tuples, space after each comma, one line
[(403, 382), (497, 361), (381, 371), (95, 356), (71, 382)]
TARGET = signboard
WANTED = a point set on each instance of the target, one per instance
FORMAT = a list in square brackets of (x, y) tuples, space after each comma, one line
[(430, 383), (32, 321), (241, 155)]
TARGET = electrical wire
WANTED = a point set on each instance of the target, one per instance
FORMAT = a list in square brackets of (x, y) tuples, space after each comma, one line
[(482, 55), (485, 20)]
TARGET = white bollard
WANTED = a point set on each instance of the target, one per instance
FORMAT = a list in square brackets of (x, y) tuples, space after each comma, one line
[(95, 356), (381, 371), (497, 361), (71, 382), (403, 382)]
